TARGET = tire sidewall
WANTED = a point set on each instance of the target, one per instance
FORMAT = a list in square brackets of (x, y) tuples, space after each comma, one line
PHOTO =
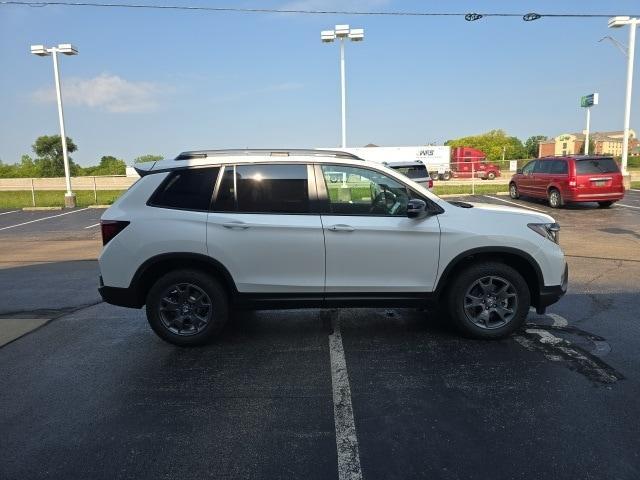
[(513, 191), (219, 305), (460, 287), (553, 192)]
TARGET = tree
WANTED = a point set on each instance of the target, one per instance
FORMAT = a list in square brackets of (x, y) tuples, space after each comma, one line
[(531, 145), (592, 147), (109, 165), (492, 143), (148, 158), (49, 161)]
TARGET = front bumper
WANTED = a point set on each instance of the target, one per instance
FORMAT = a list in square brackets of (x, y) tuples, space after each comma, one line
[(549, 295)]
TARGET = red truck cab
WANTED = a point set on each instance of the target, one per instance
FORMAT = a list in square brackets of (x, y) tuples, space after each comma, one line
[(467, 162)]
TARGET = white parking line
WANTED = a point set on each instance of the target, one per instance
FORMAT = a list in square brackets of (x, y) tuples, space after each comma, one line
[(91, 226), (627, 206), (346, 438), (44, 218), (514, 203), (558, 320), (634, 190), (12, 211)]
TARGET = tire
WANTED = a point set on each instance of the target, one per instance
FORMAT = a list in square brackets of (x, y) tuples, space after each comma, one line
[(513, 191), (177, 313), (446, 176), (606, 204), (434, 176), (495, 316), (491, 175), (555, 199)]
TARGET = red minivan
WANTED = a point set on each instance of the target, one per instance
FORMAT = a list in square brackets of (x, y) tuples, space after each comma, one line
[(563, 180)]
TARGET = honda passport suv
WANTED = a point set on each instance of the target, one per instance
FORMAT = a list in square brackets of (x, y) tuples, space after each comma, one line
[(213, 231)]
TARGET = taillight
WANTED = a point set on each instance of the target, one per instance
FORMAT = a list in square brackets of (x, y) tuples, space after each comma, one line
[(111, 228), (430, 184)]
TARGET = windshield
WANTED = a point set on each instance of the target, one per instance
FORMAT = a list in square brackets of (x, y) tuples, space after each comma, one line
[(596, 165)]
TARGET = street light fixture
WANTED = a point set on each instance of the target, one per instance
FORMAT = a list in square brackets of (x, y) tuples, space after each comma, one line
[(355, 35), (617, 22), (66, 49)]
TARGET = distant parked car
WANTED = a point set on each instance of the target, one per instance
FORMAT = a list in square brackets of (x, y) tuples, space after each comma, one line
[(416, 171), (570, 179)]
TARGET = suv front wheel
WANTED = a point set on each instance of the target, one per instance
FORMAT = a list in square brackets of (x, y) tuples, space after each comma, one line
[(489, 300), (187, 307)]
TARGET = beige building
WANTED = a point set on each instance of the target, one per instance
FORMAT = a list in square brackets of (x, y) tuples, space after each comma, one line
[(606, 143)]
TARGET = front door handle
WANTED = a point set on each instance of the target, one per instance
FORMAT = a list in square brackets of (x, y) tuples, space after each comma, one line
[(341, 228), (240, 225)]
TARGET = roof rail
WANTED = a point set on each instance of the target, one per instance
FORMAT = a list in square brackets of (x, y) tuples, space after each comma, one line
[(286, 152)]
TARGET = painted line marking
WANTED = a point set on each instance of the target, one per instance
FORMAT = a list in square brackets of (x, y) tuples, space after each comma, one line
[(91, 226), (634, 190), (628, 206), (346, 438), (516, 204), (12, 211), (558, 321), (44, 218)]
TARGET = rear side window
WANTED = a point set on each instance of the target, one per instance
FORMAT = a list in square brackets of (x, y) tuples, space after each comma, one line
[(542, 166), (186, 189), (272, 188), (418, 171), (596, 165), (558, 167)]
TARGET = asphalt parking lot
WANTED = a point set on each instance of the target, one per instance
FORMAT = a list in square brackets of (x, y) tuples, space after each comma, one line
[(93, 393)]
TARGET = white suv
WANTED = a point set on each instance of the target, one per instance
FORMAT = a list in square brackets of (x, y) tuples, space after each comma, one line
[(213, 231)]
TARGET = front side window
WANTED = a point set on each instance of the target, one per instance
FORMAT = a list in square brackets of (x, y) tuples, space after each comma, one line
[(189, 189), (360, 191), (528, 168), (268, 188)]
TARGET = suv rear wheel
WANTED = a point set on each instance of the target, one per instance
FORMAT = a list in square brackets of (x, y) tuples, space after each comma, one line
[(187, 307), (555, 199), (489, 300)]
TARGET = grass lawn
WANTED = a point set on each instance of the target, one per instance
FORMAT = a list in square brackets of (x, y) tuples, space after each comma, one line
[(55, 198), (441, 188)]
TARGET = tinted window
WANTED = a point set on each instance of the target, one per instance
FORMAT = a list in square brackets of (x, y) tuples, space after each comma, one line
[(272, 188), (359, 191), (528, 168), (226, 197), (189, 189), (558, 167), (417, 171), (597, 165), (542, 166)]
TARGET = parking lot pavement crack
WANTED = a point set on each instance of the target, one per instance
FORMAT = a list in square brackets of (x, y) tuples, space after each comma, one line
[(541, 339)]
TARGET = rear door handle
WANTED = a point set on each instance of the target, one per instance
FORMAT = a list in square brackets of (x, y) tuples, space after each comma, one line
[(240, 225), (341, 228)]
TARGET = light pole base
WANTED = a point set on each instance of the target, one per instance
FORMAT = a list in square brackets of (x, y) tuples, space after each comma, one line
[(69, 200), (626, 180)]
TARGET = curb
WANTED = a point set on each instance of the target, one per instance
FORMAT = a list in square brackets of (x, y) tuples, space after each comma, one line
[(98, 206), (28, 209), (450, 195)]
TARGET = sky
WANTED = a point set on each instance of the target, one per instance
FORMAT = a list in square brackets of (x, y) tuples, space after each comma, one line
[(161, 82)]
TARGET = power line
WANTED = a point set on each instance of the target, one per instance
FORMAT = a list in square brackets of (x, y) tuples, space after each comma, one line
[(530, 16)]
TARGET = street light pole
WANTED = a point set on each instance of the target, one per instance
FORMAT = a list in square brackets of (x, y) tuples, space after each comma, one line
[(586, 136), (627, 104), (617, 22), (343, 89), (67, 49), (328, 36), (69, 196)]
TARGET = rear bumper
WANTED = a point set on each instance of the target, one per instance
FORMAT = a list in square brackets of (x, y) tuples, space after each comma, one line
[(549, 295), (593, 197), (122, 297)]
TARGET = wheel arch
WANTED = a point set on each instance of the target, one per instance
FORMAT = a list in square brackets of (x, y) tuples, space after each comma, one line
[(524, 263), (156, 266)]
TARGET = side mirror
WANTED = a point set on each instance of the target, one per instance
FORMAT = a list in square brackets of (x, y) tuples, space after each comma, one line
[(519, 171), (416, 208)]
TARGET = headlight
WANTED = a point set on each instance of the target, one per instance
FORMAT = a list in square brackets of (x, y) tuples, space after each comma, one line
[(547, 230)]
